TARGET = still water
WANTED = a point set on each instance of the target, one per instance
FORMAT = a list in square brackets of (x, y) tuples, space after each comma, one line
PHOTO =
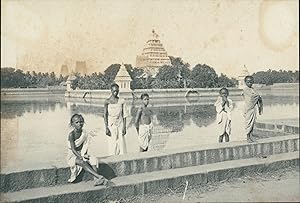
[(34, 130)]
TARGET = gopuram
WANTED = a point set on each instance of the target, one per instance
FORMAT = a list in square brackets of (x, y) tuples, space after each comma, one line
[(153, 56)]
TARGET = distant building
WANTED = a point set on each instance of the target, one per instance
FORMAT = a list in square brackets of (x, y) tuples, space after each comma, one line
[(241, 78), (123, 78), (81, 67), (69, 81), (64, 70), (153, 56)]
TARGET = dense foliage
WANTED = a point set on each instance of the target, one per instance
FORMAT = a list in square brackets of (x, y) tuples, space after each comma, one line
[(270, 77), (177, 75), (17, 78)]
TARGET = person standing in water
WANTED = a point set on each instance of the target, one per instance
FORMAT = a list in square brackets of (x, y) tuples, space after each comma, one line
[(115, 114)]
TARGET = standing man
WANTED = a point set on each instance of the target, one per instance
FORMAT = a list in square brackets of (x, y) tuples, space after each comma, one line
[(115, 120), (252, 99)]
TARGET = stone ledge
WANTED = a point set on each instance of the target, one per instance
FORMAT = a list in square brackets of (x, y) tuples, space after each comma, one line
[(153, 182), (277, 128), (129, 164)]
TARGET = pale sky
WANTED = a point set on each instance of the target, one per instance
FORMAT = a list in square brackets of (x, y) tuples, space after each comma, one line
[(42, 35)]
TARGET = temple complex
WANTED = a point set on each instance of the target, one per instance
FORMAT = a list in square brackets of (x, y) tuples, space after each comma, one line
[(153, 56)]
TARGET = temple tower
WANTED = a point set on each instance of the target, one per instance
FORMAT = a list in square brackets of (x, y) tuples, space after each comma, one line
[(153, 56), (81, 67), (64, 71)]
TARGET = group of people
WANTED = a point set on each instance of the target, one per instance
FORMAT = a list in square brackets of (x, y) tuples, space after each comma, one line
[(224, 106), (115, 114)]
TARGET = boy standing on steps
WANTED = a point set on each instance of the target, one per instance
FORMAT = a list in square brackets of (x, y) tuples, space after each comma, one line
[(252, 99), (224, 107), (143, 124)]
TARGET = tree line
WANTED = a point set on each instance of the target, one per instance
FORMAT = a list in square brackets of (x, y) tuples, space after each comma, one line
[(16, 78), (177, 75), (270, 77)]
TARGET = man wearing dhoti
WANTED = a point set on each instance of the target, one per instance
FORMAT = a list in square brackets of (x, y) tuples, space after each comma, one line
[(252, 101), (115, 114)]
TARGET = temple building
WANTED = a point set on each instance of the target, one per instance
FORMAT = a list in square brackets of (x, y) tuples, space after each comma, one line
[(81, 67), (153, 56), (123, 79), (241, 78), (69, 81), (64, 71)]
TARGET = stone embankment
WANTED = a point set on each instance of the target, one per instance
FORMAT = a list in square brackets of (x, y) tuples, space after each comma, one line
[(32, 91), (154, 93), (150, 172)]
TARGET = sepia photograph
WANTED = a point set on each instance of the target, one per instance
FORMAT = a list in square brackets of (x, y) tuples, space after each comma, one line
[(137, 101)]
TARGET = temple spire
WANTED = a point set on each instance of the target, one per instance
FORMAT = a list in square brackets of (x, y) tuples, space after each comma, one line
[(154, 34), (153, 56)]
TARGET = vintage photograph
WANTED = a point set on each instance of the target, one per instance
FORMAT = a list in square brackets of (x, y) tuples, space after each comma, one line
[(133, 101)]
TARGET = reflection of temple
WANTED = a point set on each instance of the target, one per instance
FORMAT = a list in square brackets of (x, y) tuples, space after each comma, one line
[(241, 78), (154, 56)]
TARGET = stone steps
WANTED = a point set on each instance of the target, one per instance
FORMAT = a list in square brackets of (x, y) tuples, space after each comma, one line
[(142, 163), (153, 182)]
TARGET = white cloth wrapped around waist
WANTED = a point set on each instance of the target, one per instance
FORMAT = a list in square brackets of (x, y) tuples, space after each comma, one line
[(227, 109), (145, 135), (115, 112), (83, 141), (251, 97)]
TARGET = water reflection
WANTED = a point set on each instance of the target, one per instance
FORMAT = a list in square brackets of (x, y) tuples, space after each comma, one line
[(17, 108), (86, 109), (28, 126)]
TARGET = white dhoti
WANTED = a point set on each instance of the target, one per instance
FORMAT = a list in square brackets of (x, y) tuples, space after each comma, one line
[(224, 124), (250, 109), (116, 141), (116, 113), (250, 119), (223, 116), (145, 135), (84, 140)]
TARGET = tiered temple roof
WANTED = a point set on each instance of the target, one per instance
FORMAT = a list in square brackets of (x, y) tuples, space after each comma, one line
[(123, 78), (154, 55)]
